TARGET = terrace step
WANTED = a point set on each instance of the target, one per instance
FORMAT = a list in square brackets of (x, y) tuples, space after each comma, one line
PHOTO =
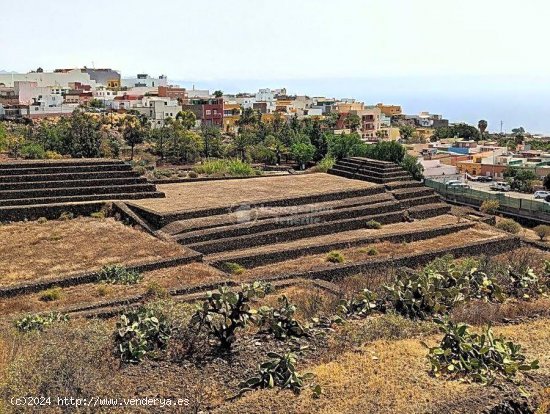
[(7, 195), (33, 169), (396, 185), (280, 252), (263, 213), (370, 167), (429, 210), (418, 201), (405, 193), (77, 198), (295, 233), (288, 222), (58, 163), (72, 183), (88, 175)]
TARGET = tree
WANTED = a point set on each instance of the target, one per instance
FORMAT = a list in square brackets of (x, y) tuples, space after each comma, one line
[(482, 126), (187, 119), (413, 167), (521, 179), (96, 103), (345, 145), (84, 135), (134, 133), (406, 132), (249, 117), (218, 94), (212, 141), (543, 231), (546, 182), (387, 151), (352, 121), (302, 152)]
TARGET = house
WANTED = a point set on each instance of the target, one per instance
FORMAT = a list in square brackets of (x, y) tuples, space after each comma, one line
[(208, 111), (157, 110), (144, 80), (389, 110)]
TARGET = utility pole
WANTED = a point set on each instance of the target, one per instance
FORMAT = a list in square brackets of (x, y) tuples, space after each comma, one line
[(501, 123)]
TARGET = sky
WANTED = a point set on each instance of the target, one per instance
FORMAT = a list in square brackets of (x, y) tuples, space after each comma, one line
[(468, 59)]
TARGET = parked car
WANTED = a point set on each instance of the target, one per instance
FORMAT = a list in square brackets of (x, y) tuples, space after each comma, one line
[(453, 182), (541, 194), (484, 179), (459, 185), (500, 186)]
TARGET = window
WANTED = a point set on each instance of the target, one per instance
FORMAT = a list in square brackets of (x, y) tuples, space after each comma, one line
[(208, 112)]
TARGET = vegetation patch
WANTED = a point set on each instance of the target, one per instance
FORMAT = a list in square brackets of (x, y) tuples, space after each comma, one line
[(38, 322), (373, 224), (50, 295), (489, 206), (281, 321), (542, 231), (234, 268), (141, 332), (509, 226), (119, 275), (335, 257), (226, 167), (469, 356)]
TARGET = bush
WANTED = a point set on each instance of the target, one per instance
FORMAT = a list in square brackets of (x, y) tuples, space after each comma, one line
[(335, 257), (230, 167), (524, 283), (413, 167), (479, 358), (542, 231), (387, 151), (119, 275), (192, 174), (50, 295), (325, 164), (140, 332), (489, 206), (66, 215), (509, 226), (372, 251), (362, 305), (38, 322), (281, 321), (33, 151), (279, 371), (52, 155), (224, 311), (373, 224), (154, 289), (98, 214), (42, 220), (234, 268)]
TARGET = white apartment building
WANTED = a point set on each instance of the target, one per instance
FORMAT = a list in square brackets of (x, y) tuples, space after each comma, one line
[(157, 110), (144, 80), (48, 79)]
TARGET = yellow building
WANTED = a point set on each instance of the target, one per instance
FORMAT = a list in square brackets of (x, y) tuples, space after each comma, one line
[(231, 114), (388, 134), (390, 110)]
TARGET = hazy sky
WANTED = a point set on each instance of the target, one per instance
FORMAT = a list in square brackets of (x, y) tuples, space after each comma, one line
[(491, 46)]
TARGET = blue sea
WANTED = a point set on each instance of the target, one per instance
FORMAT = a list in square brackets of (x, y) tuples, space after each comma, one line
[(516, 101)]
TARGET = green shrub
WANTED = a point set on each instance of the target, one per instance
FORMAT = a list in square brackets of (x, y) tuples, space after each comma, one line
[(32, 151), (154, 289), (364, 304), (509, 225), (230, 167), (476, 357), (224, 311), (38, 322), (140, 332), (524, 283), (413, 167), (372, 251), (42, 220), (489, 206), (98, 214), (373, 224), (234, 268), (542, 231), (281, 321), (119, 275), (66, 215), (50, 295), (325, 164), (280, 371), (335, 257), (52, 155)]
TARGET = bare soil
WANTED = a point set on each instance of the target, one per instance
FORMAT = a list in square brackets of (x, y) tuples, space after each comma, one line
[(34, 250), (211, 194)]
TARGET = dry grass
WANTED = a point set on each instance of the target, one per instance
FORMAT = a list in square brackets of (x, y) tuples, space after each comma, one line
[(220, 193), (32, 250), (480, 313), (391, 377), (345, 236), (86, 294), (385, 250)]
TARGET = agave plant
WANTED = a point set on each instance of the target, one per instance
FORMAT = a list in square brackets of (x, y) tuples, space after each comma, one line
[(38, 322)]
